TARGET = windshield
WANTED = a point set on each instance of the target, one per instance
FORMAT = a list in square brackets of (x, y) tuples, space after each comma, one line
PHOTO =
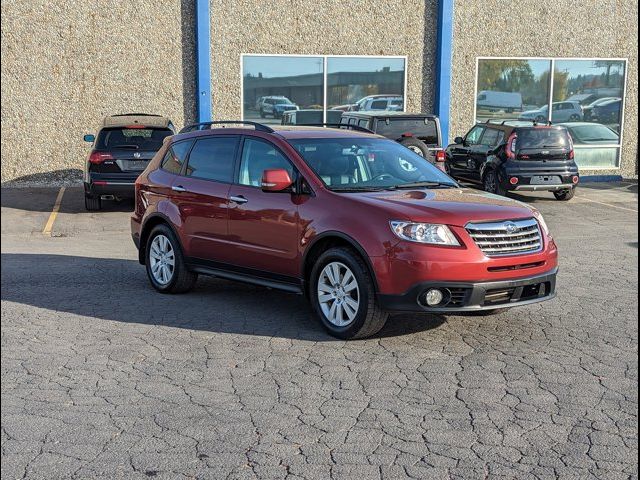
[(132, 138), (543, 138), (282, 101), (368, 164), (594, 133)]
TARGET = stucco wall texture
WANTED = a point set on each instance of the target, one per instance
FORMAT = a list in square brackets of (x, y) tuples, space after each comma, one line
[(546, 28), (66, 65), (321, 27)]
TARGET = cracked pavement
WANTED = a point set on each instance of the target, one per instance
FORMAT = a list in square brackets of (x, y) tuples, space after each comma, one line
[(104, 378)]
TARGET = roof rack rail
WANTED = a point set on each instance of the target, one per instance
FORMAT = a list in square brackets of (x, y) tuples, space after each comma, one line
[(201, 126), (335, 125)]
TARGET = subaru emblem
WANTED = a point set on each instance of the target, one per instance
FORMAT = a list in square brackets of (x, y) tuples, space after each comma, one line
[(136, 155), (511, 227)]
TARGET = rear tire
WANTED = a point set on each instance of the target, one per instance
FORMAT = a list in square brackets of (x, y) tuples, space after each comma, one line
[(92, 203), (491, 183), (565, 195), (262, 115), (163, 250), (343, 296)]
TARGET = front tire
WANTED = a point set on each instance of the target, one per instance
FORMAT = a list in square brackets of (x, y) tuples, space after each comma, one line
[(343, 296), (565, 195), (166, 268), (491, 183)]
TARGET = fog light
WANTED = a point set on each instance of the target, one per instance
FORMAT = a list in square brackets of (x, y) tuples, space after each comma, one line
[(434, 297), (514, 180), (575, 179)]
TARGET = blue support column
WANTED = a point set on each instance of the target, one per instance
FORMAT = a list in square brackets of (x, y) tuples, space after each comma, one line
[(444, 51), (203, 60)]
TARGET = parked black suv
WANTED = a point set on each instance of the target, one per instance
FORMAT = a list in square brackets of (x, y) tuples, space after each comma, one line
[(419, 132), (515, 156), (121, 151)]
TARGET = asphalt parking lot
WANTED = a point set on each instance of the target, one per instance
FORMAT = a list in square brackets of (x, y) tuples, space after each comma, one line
[(104, 378)]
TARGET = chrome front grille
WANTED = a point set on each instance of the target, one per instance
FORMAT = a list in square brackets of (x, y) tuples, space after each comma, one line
[(510, 237)]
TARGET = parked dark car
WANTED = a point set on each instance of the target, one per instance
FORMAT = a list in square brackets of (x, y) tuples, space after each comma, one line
[(309, 117), (327, 213), (515, 156), (588, 109), (121, 150), (607, 112), (587, 133), (419, 132)]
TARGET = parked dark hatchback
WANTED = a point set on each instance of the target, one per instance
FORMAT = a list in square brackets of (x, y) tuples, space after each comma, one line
[(419, 132), (516, 156), (121, 151)]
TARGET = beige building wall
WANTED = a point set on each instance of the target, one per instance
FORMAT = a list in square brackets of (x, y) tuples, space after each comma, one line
[(545, 28), (66, 65), (321, 27)]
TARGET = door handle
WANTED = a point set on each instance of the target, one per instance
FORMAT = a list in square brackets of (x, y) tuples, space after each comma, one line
[(239, 199), (178, 188)]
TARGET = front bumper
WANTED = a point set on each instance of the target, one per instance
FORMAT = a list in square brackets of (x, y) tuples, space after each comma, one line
[(473, 297)]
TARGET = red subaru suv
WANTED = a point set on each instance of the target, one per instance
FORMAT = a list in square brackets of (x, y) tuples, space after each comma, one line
[(358, 223)]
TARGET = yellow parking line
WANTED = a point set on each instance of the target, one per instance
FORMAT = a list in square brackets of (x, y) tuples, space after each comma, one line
[(608, 204), (54, 213)]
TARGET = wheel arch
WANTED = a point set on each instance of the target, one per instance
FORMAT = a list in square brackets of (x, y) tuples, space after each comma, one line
[(331, 239), (149, 224)]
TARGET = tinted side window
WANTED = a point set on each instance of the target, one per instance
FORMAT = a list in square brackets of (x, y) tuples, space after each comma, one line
[(378, 105), (175, 157), (213, 159), (258, 156), (473, 137), (490, 137)]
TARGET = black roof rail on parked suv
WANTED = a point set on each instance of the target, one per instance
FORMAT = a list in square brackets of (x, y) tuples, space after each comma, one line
[(199, 126), (336, 125)]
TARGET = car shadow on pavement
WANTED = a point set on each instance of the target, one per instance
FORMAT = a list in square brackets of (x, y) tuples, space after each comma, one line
[(42, 199), (118, 290)]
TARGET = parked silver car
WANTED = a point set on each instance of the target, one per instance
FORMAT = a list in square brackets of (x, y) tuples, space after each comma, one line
[(562, 112)]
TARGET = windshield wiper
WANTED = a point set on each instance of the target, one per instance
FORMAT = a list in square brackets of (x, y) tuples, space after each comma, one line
[(132, 147), (358, 189), (426, 185)]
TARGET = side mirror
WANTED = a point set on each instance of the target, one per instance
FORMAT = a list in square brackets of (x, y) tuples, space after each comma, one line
[(458, 140), (89, 138), (276, 180)]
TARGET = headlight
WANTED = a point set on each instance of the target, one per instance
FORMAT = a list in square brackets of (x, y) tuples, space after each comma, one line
[(541, 221), (425, 233)]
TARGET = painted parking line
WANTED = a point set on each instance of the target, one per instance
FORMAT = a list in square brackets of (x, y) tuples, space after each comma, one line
[(54, 213), (608, 204)]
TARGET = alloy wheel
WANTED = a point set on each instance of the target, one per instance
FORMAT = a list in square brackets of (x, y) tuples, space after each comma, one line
[(162, 259), (338, 294)]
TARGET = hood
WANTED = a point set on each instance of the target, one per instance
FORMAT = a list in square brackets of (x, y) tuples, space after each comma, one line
[(456, 206)]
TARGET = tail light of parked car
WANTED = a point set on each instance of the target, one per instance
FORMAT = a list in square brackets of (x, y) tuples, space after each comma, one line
[(99, 157), (511, 146), (441, 156)]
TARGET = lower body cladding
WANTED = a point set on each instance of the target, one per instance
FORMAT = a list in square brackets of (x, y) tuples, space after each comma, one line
[(457, 297), (537, 182)]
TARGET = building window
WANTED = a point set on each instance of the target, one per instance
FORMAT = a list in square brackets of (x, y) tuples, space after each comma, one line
[(585, 95), (275, 86)]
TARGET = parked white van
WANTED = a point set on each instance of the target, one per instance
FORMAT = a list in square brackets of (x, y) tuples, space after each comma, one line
[(507, 101)]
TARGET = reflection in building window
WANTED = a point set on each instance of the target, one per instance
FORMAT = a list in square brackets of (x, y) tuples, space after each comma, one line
[(587, 98), (290, 89)]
